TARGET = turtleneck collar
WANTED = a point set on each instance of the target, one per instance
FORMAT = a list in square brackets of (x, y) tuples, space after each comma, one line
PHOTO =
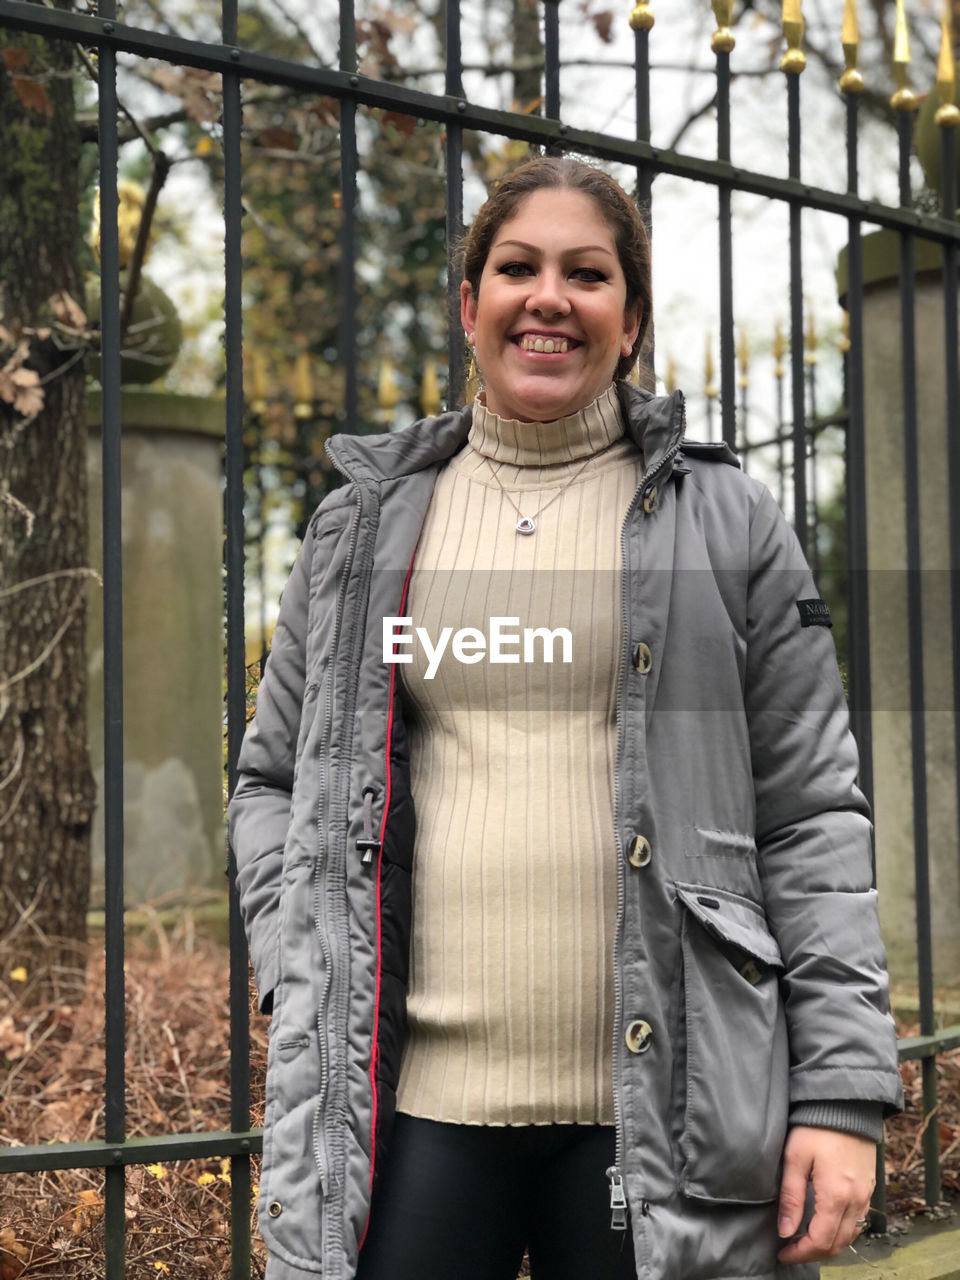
[(579, 435)]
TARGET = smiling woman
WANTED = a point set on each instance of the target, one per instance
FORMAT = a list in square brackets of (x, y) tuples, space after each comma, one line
[(571, 947), (549, 317)]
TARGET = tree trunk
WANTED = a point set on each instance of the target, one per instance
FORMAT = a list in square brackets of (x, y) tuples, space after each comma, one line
[(46, 785), (527, 44)]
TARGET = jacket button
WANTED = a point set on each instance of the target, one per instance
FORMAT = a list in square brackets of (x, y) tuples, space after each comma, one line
[(642, 658), (275, 1208), (640, 852), (650, 500), (638, 1036)]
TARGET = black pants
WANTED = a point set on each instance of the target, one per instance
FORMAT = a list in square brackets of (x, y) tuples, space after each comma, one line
[(462, 1202)]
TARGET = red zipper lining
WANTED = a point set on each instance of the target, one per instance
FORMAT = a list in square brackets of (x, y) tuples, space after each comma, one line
[(383, 828)]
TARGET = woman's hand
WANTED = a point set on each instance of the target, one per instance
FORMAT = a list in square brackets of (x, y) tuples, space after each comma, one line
[(842, 1168)]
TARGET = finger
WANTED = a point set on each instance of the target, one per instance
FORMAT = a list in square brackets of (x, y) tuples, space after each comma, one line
[(821, 1238), (793, 1194), (855, 1222)]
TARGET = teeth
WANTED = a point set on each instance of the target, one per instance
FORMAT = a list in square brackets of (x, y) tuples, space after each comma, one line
[(547, 345)]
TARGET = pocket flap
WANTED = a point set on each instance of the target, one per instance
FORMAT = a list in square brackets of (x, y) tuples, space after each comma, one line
[(732, 919)]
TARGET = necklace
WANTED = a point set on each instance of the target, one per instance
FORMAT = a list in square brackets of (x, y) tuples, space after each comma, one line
[(528, 524)]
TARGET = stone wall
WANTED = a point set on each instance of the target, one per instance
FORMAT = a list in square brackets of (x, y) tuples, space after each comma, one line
[(889, 653), (172, 513)]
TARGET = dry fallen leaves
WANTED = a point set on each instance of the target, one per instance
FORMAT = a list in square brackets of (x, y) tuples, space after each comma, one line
[(54, 1090), (12, 1041), (20, 386), (182, 1219), (32, 94), (200, 91), (13, 1255), (67, 311), (15, 59)]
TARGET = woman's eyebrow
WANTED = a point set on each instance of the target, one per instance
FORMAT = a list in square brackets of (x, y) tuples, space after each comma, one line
[(567, 253)]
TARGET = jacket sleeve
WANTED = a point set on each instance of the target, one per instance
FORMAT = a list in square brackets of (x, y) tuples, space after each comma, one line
[(814, 838), (259, 812)]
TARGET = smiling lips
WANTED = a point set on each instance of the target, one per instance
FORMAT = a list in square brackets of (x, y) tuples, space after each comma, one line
[(549, 346)]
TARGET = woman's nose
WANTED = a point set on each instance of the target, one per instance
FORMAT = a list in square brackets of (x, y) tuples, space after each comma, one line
[(548, 296)]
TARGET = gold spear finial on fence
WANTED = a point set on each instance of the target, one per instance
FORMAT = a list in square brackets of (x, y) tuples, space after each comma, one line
[(258, 381), (779, 349), (641, 19), (388, 395), (670, 377), (904, 99), (722, 40), (851, 81), (948, 114), (430, 390), (303, 386), (810, 341), (743, 359), (844, 340), (709, 387), (794, 60)]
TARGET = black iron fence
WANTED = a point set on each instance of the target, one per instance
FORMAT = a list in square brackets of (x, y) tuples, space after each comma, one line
[(797, 430)]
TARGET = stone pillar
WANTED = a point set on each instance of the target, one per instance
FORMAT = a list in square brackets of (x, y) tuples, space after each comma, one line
[(893, 787), (172, 505)]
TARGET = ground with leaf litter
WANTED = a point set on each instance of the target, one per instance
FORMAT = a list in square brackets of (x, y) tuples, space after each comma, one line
[(177, 1070)]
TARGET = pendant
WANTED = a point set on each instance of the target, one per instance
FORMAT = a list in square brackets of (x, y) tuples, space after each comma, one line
[(525, 525)]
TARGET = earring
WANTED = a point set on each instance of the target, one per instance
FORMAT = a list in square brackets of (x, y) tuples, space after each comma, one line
[(469, 338)]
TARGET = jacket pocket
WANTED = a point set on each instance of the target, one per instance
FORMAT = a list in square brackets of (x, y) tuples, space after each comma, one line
[(737, 1057)]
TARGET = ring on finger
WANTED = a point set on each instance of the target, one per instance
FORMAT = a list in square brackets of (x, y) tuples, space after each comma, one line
[(861, 1224)]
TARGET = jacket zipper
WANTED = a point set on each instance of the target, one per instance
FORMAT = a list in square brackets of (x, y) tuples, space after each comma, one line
[(618, 1198), (319, 911), (371, 844)]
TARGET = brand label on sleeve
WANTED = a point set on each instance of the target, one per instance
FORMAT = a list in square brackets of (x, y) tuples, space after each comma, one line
[(814, 613)]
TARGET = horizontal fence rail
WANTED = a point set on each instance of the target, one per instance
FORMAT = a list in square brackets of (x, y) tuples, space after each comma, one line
[(536, 130), (797, 435)]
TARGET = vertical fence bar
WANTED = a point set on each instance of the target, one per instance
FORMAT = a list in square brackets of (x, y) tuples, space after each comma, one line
[(781, 435), (641, 21), (551, 59), (743, 383), (810, 371), (858, 594), (722, 45), (931, 1153), (453, 73), (236, 646), (348, 213), (779, 350), (948, 208), (115, 995), (796, 321), (855, 480)]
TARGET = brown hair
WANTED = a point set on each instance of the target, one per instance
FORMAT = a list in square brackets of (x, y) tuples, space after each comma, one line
[(617, 209)]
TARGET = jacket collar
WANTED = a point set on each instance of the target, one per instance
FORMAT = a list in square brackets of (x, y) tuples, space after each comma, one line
[(655, 423)]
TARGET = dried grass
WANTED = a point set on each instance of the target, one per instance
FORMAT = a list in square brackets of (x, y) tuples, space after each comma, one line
[(177, 1068), (177, 1074)]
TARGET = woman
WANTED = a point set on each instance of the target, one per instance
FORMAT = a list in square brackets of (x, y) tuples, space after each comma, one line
[(618, 994)]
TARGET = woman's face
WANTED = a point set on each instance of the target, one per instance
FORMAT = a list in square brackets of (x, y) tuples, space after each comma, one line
[(552, 279)]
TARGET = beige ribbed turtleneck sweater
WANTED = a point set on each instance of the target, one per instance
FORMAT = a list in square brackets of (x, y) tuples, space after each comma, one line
[(510, 1000)]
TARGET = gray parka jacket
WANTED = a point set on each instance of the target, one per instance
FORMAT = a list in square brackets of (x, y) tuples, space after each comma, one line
[(749, 972)]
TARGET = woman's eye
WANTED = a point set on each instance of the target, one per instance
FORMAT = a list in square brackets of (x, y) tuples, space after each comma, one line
[(590, 274), (514, 269)]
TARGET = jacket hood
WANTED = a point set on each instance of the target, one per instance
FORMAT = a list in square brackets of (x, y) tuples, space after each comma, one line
[(655, 423)]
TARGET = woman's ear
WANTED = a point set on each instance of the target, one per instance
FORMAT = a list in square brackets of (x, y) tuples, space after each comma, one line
[(468, 307), (631, 327)]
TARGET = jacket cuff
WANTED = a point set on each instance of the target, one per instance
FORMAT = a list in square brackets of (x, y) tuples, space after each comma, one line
[(864, 1119)]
